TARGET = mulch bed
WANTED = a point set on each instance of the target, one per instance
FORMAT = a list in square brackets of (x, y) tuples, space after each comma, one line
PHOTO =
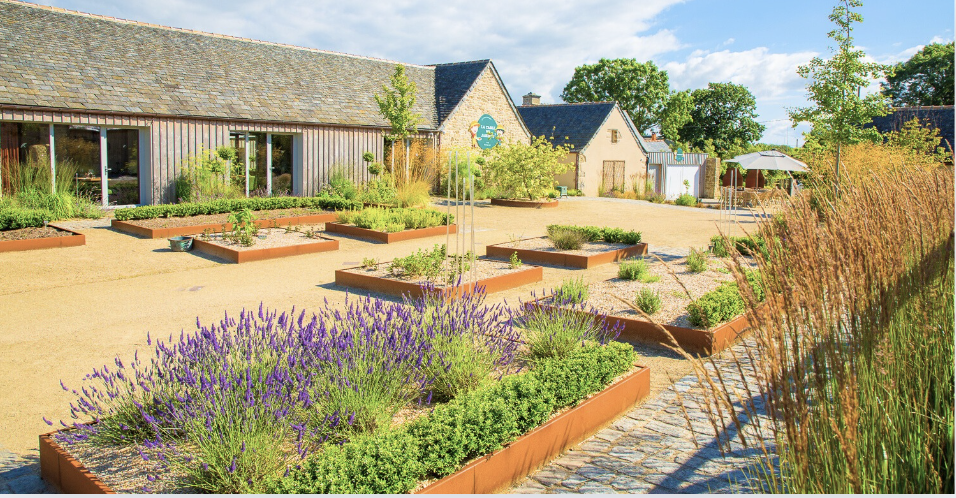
[(33, 233)]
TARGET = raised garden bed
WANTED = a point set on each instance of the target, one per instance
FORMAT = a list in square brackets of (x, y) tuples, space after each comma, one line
[(540, 250), (253, 375), (30, 238), (389, 237), (525, 204), (493, 276), (673, 315), (159, 228), (276, 244)]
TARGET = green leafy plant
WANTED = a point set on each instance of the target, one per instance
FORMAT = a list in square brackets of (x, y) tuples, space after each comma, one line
[(746, 245), (596, 234), (716, 306), (686, 200), (573, 291), (648, 301), (514, 262), (202, 177), (244, 228), (395, 220), (423, 262), (696, 261), (527, 171), (369, 262)]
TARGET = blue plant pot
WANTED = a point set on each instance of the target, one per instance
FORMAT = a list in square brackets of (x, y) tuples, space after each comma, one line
[(182, 243)]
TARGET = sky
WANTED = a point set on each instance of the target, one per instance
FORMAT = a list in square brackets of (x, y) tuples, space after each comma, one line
[(536, 45)]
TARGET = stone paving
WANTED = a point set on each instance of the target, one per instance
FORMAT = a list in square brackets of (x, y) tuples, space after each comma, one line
[(21, 475), (653, 450)]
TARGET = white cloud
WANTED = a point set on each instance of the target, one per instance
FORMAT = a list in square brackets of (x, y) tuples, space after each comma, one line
[(770, 76), (728, 41)]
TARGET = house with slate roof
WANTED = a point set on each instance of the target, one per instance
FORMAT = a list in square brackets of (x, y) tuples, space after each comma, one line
[(120, 105), (607, 153)]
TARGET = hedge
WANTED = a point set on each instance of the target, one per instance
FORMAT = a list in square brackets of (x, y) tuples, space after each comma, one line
[(230, 205), (469, 426), (13, 218), (597, 234), (723, 303)]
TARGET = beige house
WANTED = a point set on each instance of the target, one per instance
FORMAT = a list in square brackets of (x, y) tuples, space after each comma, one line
[(606, 151)]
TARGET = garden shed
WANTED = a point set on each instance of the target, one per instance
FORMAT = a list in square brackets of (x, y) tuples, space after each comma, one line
[(120, 116)]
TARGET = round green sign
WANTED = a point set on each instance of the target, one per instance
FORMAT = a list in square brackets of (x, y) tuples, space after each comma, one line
[(487, 134), (679, 157)]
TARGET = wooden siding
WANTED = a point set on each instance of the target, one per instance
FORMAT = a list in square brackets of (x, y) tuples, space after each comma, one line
[(174, 139)]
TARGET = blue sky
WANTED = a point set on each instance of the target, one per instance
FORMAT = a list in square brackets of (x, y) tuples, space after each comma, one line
[(537, 44)]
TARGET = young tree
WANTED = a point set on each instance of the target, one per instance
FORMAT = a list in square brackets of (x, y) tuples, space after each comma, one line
[(527, 170), (395, 104), (839, 111), (639, 87), (722, 113), (927, 78)]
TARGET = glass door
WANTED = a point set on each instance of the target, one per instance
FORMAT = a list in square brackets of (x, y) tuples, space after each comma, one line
[(122, 167), (282, 171)]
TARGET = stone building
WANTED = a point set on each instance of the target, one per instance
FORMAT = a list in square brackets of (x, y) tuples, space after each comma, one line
[(118, 106), (607, 153)]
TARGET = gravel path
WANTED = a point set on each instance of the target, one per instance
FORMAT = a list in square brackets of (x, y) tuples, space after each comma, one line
[(652, 450)]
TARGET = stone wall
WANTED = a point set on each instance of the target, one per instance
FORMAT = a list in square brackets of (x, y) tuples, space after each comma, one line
[(710, 188), (486, 97)]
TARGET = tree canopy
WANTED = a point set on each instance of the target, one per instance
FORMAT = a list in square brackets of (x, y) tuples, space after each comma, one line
[(640, 88), (395, 104), (722, 118), (677, 113), (839, 110), (925, 79)]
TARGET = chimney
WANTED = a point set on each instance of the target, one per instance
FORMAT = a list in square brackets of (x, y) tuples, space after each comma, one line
[(653, 136), (531, 99)]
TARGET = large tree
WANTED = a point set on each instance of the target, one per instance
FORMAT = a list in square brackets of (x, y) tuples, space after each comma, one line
[(723, 118), (677, 113), (640, 88), (839, 110), (925, 79)]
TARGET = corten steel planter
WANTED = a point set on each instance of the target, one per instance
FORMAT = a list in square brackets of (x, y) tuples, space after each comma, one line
[(77, 239), (64, 472), (703, 342), (131, 227), (386, 237), (486, 474), (501, 251), (248, 255), (500, 470), (524, 204), (394, 287)]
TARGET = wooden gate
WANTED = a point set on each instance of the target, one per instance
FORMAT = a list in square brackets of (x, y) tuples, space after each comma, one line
[(613, 176)]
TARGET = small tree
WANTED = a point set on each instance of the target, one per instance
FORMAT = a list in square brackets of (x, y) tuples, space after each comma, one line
[(395, 104), (527, 170), (840, 111)]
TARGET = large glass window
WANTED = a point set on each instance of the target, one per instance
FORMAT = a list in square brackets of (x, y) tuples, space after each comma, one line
[(24, 156), (259, 163), (282, 170), (77, 158)]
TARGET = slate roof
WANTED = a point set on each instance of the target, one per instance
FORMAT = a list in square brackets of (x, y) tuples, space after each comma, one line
[(569, 124), (452, 82), (63, 59), (656, 146), (939, 117)]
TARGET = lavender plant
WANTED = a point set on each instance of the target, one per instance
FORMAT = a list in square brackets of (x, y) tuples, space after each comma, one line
[(235, 403)]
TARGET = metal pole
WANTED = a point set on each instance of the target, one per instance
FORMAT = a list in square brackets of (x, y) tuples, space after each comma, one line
[(448, 202), (52, 161), (269, 164), (247, 163), (471, 179), (104, 169)]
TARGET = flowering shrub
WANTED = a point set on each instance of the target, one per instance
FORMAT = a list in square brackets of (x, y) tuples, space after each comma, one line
[(236, 403)]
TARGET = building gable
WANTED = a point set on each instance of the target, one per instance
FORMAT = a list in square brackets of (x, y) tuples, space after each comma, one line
[(487, 95)]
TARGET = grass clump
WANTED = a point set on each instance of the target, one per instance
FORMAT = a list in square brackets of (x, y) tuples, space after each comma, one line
[(573, 291), (648, 301), (566, 240), (636, 269), (599, 234), (696, 261)]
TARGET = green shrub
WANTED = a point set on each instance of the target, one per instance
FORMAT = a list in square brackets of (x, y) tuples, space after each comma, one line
[(573, 291), (697, 261), (340, 185), (14, 218), (686, 200), (381, 219), (556, 331), (716, 306), (231, 205), (566, 240), (597, 234), (648, 301), (421, 263), (471, 425), (632, 269), (514, 262), (573, 192)]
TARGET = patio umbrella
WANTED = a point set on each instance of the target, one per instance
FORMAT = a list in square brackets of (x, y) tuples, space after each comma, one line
[(769, 160)]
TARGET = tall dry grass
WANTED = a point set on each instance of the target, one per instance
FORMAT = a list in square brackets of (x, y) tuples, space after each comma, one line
[(854, 344)]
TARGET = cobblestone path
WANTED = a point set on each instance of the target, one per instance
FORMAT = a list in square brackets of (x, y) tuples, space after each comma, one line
[(652, 450), (21, 475)]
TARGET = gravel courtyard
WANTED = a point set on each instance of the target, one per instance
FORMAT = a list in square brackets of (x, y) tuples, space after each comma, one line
[(68, 310)]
